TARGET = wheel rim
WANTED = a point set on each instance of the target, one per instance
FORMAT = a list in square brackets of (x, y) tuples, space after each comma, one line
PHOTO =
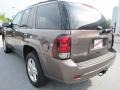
[(32, 70), (4, 45)]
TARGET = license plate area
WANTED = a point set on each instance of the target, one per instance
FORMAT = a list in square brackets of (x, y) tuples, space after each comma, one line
[(98, 44)]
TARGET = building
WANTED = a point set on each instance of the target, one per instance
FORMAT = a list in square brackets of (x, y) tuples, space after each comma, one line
[(116, 19)]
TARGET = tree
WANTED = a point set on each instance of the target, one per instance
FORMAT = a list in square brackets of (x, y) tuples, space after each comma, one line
[(3, 18)]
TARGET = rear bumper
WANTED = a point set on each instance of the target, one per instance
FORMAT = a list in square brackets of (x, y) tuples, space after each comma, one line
[(65, 71)]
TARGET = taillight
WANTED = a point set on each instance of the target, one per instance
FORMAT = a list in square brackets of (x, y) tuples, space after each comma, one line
[(62, 47)]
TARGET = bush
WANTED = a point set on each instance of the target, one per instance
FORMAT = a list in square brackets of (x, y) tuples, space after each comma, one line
[(3, 18)]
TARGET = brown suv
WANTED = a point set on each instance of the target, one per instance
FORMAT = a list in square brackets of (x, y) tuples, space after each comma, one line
[(65, 41)]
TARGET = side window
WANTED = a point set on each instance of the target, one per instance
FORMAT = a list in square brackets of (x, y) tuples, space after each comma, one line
[(25, 18), (16, 21), (48, 17), (30, 18)]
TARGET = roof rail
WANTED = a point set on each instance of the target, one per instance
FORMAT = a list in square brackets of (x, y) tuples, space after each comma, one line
[(42, 1)]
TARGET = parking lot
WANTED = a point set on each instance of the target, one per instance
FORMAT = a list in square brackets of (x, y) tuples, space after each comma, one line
[(13, 76)]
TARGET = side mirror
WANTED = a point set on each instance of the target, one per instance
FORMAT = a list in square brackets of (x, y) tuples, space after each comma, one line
[(6, 25)]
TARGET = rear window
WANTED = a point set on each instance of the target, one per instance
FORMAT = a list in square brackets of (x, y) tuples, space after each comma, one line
[(85, 17)]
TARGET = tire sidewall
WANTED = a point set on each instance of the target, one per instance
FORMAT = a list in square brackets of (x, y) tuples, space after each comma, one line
[(41, 79)]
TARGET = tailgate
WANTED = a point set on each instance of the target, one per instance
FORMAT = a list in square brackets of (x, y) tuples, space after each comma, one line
[(88, 44), (89, 35)]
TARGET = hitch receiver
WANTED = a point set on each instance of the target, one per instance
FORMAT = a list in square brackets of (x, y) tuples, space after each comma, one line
[(103, 72)]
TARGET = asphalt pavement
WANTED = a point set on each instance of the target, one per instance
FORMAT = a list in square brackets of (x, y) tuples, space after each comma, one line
[(13, 76)]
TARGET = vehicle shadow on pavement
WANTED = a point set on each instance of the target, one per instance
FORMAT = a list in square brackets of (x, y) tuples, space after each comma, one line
[(117, 47), (77, 86)]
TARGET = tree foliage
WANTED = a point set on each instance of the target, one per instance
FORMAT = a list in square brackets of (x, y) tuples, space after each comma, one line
[(3, 18)]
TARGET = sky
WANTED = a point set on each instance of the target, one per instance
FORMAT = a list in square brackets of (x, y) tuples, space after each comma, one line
[(11, 7)]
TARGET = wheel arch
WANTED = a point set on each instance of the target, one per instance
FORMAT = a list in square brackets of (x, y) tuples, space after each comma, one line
[(27, 49)]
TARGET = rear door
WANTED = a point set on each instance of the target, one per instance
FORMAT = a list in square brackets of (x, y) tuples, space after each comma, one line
[(89, 32), (25, 27)]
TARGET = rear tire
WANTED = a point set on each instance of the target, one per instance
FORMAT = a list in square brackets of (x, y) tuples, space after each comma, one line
[(5, 47), (34, 70)]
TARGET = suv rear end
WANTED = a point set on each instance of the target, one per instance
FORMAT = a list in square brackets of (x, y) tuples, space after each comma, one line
[(87, 50), (64, 41)]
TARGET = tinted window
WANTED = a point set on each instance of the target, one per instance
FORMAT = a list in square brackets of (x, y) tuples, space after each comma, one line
[(48, 17), (17, 19), (30, 18), (25, 18), (85, 17)]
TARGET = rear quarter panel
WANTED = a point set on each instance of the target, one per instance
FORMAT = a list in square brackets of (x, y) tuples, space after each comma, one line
[(42, 41)]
